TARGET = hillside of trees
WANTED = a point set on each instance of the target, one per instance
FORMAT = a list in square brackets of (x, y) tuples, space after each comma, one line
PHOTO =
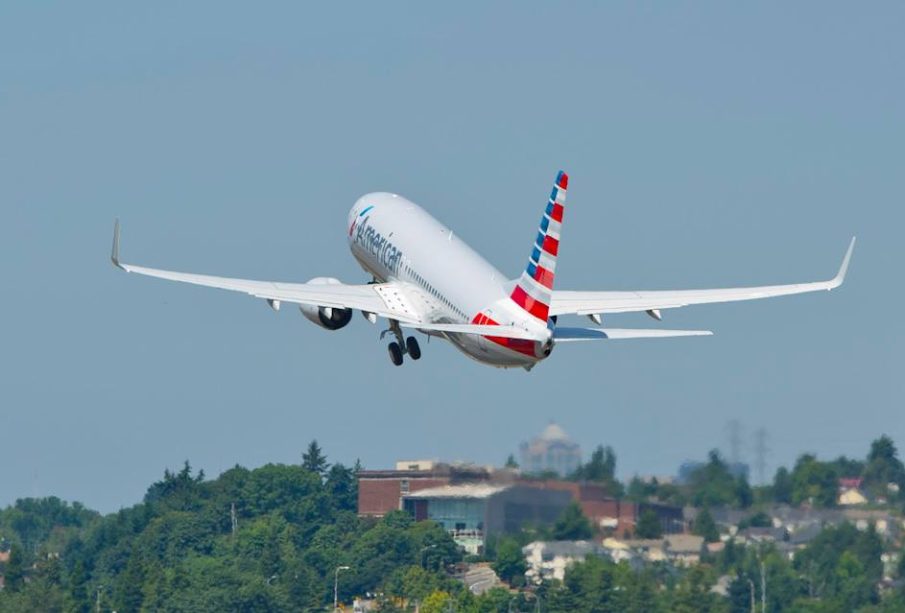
[(272, 539)]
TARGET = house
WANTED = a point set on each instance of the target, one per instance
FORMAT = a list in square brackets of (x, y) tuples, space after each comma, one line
[(678, 549), (684, 549), (762, 535), (851, 497), (550, 559), (884, 523), (850, 492)]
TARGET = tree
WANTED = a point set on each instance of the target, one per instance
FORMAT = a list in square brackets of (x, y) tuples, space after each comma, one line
[(883, 467), (14, 575), (572, 525), (706, 527), (648, 526), (743, 494), (601, 467), (509, 562), (814, 482), (712, 484), (640, 490), (78, 590), (342, 486), (782, 486), (436, 602), (314, 460), (511, 463)]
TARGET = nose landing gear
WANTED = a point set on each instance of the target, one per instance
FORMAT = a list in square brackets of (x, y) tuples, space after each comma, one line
[(401, 345)]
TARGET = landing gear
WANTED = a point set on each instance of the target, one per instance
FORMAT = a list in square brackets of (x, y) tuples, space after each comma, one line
[(395, 353), (411, 344), (401, 345)]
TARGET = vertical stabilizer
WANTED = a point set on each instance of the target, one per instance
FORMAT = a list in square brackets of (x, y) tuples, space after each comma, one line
[(535, 287)]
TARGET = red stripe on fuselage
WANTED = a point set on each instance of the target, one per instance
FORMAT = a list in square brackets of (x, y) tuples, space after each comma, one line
[(535, 307), (518, 345)]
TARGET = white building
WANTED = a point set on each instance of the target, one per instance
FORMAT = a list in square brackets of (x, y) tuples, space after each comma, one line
[(550, 559), (552, 451)]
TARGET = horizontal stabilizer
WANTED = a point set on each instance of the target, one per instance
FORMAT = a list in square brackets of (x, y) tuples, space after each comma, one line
[(564, 335), (480, 330)]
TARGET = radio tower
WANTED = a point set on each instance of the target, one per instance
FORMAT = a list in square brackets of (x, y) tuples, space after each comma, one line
[(735, 441), (760, 454)]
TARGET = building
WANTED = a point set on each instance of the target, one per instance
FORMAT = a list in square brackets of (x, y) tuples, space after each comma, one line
[(549, 560), (677, 549), (382, 491), (551, 452), (851, 497), (612, 515), (474, 511)]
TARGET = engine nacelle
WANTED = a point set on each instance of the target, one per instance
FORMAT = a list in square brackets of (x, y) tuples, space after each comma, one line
[(330, 318)]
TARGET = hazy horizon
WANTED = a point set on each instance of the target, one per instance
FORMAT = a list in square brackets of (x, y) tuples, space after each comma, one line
[(707, 146)]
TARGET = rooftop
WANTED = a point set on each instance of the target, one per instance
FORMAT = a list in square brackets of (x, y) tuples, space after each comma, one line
[(467, 490)]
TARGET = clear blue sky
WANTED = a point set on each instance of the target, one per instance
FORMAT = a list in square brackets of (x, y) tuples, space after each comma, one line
[(708, 144)]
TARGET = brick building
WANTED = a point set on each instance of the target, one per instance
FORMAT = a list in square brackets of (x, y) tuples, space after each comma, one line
[(612, 514), (382, 491)]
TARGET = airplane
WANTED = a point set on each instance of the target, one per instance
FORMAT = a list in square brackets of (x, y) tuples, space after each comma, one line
[(426, 278)]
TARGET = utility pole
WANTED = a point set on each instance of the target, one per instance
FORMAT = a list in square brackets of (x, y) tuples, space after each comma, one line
[(753, 605), (234, 521), (763, 588), (97, 603), (336, 587)]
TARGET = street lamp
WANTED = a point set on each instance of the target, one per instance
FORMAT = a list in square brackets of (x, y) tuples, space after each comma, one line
[(336, 586), (514, 598)]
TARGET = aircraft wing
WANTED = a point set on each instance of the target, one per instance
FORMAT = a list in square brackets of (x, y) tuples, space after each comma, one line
[(382, 299), (592, 303)]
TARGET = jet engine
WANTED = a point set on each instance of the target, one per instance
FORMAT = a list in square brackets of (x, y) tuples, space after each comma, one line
[(330, 318)]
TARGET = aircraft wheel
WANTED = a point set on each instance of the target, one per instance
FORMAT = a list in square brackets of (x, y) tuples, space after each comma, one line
[(411, 343), (395, 353)]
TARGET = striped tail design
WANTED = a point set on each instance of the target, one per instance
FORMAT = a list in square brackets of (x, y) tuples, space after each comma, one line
[(535, 287)]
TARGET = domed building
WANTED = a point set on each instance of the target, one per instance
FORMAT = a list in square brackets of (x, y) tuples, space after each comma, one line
[(552, 451)]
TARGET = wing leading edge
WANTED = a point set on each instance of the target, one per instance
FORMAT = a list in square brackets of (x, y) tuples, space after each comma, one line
[(382, 299), (592, 303)]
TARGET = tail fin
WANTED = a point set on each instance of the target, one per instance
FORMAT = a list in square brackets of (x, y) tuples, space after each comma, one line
[(535, 287)]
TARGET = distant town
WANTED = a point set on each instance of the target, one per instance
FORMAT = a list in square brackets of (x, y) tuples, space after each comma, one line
[(550, 529)]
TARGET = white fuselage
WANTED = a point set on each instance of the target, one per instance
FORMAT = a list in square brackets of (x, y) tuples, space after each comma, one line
[(444, 280)]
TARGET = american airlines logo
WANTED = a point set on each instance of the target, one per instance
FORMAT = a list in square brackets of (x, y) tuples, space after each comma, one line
[(377, 245)]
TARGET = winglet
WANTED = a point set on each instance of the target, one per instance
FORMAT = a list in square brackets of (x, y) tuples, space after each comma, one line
[(114, 253), (840, 276)]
